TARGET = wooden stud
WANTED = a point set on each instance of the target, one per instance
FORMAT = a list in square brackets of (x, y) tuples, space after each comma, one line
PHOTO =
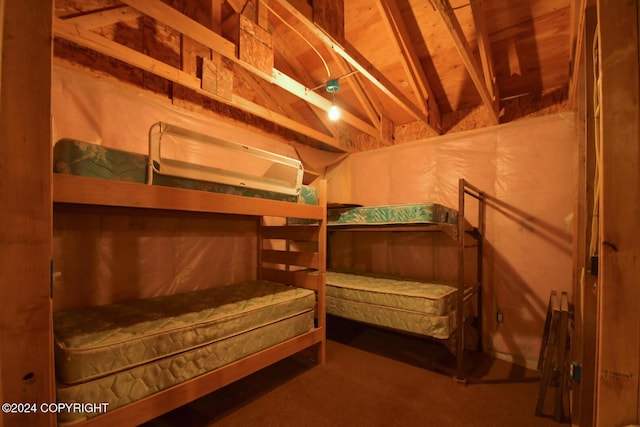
[(584, 334), (26, 337), (618, 361)]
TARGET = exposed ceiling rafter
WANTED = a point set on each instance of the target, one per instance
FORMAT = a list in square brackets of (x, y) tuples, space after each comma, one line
[(303, 13), (408, 69), (417, 79), (295, 68), (449, 18), (359, 92), (91, 40), (484, 46), (105, 17), (198, 32)]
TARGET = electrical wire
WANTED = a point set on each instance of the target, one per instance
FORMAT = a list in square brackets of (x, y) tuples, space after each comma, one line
[(326, 66), (593, 244)]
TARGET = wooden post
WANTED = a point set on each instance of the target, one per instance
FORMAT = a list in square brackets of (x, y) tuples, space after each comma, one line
[(618, 353), (583, 345), (26, 359), (322, 271)]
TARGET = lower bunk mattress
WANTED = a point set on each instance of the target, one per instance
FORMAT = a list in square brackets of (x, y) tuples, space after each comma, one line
[(422, 308), (120, 353)]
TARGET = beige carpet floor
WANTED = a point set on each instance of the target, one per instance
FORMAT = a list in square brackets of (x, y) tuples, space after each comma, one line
[(373, 377)]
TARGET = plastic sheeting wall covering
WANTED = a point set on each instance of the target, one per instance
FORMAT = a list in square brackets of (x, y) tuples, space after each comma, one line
[(526, 168)]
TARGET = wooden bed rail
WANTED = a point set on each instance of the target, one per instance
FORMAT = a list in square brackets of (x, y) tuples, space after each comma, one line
[(305, 247)]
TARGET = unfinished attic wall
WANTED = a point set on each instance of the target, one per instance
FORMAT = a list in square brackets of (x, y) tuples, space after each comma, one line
[(119, 116), (126, 254), (526, 170)]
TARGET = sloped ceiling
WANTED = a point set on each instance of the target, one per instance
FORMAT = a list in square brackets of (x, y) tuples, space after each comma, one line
[(406, 69)]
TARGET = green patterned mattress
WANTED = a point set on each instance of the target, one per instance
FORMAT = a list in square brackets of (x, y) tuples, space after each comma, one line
[(122, 352), (410, 213), (423, 308), (81, 158)]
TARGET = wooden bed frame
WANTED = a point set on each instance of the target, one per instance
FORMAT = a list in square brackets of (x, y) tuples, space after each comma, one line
[(462, 232), (69, 190)]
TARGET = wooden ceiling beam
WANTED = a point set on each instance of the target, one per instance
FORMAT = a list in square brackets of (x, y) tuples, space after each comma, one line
[(198, 32), (295, 68), (486, 57), (105, 17), (393, 21), (94, 41), (455, 30), (91, 40), (303, 13), (577, 40), (276, 102), (185, 25), (237, 5), (216, 16), (360, 93), (319, 101)]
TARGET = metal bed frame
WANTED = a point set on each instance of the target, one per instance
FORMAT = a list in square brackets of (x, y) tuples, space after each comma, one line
[(466, 189), (461, 232)]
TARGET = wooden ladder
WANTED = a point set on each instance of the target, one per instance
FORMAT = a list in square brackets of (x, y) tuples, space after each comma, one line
[(554, 356)]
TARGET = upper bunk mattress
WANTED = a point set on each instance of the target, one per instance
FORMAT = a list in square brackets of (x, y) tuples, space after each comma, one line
[(410, 213), (96, 341), (424, 297), (81, 158)]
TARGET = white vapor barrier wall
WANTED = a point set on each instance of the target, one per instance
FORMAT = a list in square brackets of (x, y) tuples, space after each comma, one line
[(118, 116), (525, 168), (105, 255)]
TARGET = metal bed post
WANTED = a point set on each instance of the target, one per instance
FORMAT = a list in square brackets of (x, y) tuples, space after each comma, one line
[(460, 312), (467, 189), (480, 238)]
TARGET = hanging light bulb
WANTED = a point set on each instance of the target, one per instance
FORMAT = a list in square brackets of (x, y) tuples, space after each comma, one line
[(332, 88), (334, 112)]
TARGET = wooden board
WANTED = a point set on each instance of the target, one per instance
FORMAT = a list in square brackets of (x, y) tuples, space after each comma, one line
[(255, 46), (82, 190), (617, 387), (26, 356)]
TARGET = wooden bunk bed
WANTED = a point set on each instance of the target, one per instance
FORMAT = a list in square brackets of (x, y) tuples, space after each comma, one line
[(429, 309), (294, 298)]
